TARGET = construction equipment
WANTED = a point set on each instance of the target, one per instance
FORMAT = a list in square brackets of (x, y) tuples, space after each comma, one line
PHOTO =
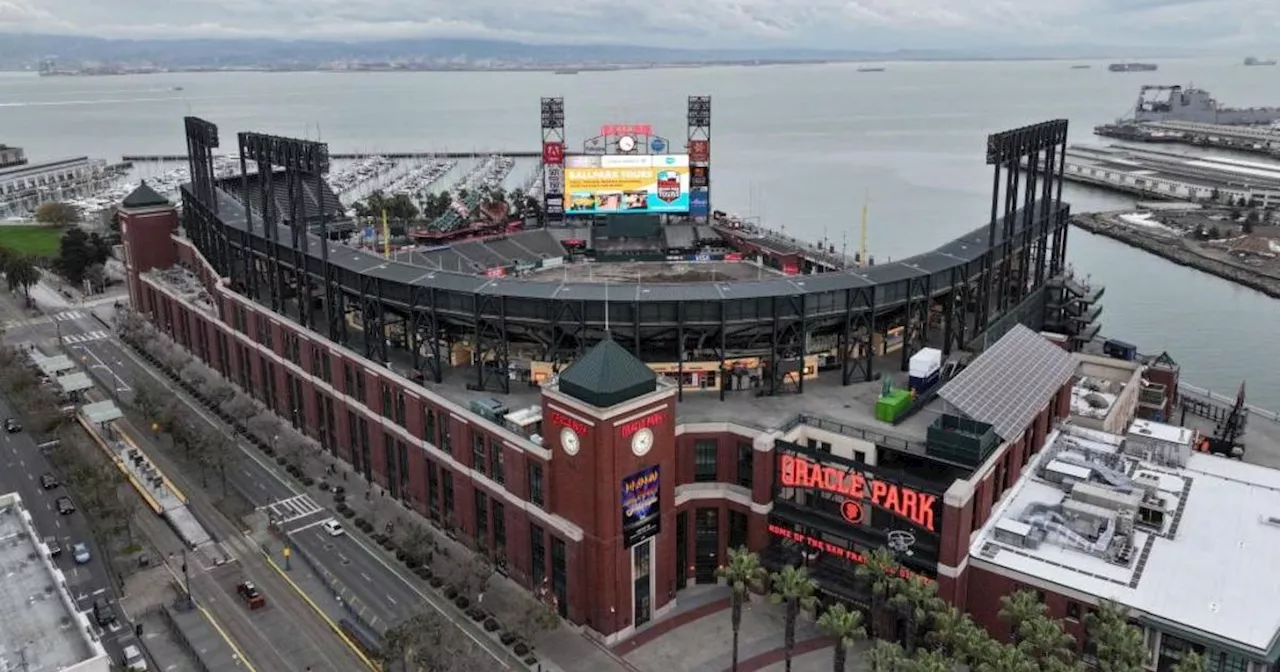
[(1226, 436)]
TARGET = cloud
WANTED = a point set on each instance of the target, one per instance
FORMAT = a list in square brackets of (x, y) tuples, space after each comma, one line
[(872, 24)]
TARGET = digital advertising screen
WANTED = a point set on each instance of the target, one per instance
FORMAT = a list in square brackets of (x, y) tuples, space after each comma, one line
[(612, 185)]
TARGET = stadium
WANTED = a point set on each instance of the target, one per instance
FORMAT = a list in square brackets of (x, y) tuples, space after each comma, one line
[(494, 383)]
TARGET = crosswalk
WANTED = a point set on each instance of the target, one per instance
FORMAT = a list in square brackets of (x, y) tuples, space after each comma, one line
[(68, 315), (85, 337), (293, 508)]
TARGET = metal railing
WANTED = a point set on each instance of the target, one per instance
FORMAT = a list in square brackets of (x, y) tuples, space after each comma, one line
[(1254, 411), (181, 638)]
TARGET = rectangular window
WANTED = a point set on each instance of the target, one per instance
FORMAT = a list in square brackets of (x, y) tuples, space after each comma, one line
[(479, 460), (535, 483), (386, 400), (560, 576), (682, 549), (1073, 611), (429, 427), (499, 530), (537, 556), (704, 461), (746, 464), (448, 496), (433, 491), (482, 521), (446, 438), (348, 379), (360, 381), (400, 408), (737, 529), (497, 470)]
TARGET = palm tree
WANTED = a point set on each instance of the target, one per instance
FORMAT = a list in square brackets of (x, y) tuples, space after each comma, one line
[(881, 572), (1119, 645), (916, 600), (886, 657), (1019, 608), (793, 587), (1191, 662), (1044, 641), (1001, 658), (955, 633), (740, 574), (21, 272), (840, 624)]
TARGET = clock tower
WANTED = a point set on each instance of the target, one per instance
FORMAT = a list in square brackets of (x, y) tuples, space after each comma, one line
[(610, 426)]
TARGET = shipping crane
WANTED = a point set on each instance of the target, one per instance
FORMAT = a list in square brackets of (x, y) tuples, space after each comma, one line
[(1226, 436)]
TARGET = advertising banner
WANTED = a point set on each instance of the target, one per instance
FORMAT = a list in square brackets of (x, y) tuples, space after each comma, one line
[(626, 129), (699, 151), (555, 205), (626, 184), (699, 177), (641, 508), (552, 152), (699, 203), (553, 179)]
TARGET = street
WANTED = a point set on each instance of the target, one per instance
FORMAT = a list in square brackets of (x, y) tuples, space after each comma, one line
[(21, 465), (385, 592)]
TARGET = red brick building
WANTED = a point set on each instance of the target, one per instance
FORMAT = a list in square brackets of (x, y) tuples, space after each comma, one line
[(622, 497)]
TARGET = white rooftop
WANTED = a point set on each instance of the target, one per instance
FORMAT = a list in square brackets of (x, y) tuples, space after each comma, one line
[(39, 626), (1204, 566)]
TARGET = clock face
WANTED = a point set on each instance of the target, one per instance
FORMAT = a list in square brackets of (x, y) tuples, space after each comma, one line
[(569, 441), (642, 442), (626, 143)]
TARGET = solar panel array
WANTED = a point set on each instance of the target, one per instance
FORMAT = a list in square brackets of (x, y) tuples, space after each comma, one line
[(1009, 383)]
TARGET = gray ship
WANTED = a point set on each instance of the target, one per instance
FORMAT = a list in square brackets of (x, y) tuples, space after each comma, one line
[(1177, 103)]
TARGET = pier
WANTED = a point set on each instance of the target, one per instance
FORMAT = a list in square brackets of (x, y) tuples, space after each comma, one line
[(477, 154), (1172, 176), (1252, 139)]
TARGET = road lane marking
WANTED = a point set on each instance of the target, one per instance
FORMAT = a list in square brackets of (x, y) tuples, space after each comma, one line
[(227, 638), (392, 600), (366, 577), (332, 626), (309, 526)]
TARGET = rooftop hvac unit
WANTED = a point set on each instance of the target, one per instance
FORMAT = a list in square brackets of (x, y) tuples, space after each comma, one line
[(1106, 498)]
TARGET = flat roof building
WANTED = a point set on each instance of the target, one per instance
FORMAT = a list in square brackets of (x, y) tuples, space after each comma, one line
[(40, 626), (1178, 537)]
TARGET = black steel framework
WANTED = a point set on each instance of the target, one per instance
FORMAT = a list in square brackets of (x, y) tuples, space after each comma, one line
[(429, 311), (552, 125), (1036, 151), (699, 119)]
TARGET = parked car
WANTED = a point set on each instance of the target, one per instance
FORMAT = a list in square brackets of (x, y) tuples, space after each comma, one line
[(65, 506), (48, 482), (333, 527), (55, 548), (253, 598), (133, 660), (81, 553), (12, 426), (103, 613)]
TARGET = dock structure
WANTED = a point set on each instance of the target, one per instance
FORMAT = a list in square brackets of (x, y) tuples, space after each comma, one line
[(1253, 139), (1172, 176), (142, 158)]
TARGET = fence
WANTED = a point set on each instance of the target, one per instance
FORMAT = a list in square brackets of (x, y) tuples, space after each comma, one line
[(181, 638), (349, 602), (1254, 411)]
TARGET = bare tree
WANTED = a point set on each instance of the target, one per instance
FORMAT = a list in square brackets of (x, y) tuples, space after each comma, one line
[(240, 408), (222, 452), (265, 426), (193, 374), (217, 391), (293, 447), (537, 618), (417, 542)]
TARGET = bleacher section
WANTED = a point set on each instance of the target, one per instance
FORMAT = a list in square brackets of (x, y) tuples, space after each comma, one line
[(478, 256), (681, 237), (334, 210)]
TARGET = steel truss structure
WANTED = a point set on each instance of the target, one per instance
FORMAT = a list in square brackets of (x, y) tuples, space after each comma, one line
[(552, 125), (699, 148), (956, 289)]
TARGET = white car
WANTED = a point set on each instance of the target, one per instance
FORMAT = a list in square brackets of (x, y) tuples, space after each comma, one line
[(133, 660), (333, 527)]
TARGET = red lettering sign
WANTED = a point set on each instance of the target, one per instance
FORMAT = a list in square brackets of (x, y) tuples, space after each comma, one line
[(838, 551), (648, 421), (699, 150), (579, 427), (553, 152), (901, 501), (626, 129)]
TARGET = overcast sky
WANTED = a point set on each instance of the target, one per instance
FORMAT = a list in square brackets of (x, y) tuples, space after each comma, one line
[(852, 24)]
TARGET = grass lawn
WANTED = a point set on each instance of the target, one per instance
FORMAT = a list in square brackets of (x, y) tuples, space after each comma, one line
[(41, 241)]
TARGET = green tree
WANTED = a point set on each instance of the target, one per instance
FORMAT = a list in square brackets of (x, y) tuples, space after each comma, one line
[(1191, 662), (741, 573), (792, 588), (21, 272), (881, 572), (840, 624), (1119, 645), (1019, 608), (57, 214), (915, 600), (1045, 642), (887, 657), (78, 251), (955, 633)]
